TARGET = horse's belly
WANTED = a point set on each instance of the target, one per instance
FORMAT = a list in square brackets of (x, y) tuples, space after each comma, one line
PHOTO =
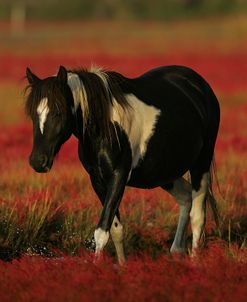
[(154, 175), (165, 160)]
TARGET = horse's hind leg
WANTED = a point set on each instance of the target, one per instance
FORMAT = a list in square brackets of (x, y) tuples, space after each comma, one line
[(200, 172), (180, 189), (200, 183)]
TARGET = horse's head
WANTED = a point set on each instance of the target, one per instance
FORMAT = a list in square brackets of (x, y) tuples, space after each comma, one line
[(50, 106)]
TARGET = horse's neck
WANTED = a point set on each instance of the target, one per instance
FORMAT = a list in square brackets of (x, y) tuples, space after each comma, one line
[(78, 124)]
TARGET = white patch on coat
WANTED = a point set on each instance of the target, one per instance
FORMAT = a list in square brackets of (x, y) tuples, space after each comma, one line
[(101, 238), (42, 111), (138, 122)]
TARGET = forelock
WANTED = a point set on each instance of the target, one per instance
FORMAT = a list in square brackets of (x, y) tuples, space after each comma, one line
[(50, 89)]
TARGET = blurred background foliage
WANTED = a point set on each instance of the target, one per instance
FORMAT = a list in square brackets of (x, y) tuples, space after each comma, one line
[(117, 9)]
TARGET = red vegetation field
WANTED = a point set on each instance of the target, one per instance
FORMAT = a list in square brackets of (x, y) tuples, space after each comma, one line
[(45, 219), (212, 277)]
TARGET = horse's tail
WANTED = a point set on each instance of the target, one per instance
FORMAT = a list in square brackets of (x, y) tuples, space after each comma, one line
[(211, 198)]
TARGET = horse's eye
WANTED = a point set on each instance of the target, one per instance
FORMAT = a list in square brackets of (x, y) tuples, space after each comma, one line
[(56, 114)]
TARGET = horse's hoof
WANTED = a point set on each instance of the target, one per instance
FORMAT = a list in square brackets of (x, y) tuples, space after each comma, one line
[(178, 250), (90, 244)]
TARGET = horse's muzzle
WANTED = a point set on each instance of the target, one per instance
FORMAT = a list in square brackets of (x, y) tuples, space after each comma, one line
[(40, 163)]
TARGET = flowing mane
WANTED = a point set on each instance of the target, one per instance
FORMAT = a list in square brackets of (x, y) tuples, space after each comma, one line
[(97, 91)]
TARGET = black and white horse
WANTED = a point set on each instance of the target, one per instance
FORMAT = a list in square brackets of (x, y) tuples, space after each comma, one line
[(143, 132)]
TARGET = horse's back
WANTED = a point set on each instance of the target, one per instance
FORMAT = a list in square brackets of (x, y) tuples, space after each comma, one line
[(158, 86), (180, 92)]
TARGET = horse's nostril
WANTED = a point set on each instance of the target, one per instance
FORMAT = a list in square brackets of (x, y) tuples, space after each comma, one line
[(38, 161), (43, 160)]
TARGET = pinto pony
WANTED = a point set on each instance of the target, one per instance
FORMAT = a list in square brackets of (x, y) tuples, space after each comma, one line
[(143, 132)]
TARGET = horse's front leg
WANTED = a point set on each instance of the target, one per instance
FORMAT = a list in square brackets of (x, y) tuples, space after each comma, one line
[(114, 193), (116, 230)]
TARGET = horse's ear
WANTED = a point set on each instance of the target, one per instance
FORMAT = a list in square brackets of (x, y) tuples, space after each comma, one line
[(31, 77), (62, 75)]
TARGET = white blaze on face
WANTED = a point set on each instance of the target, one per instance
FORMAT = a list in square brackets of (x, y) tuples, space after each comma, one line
[(42, 111)]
